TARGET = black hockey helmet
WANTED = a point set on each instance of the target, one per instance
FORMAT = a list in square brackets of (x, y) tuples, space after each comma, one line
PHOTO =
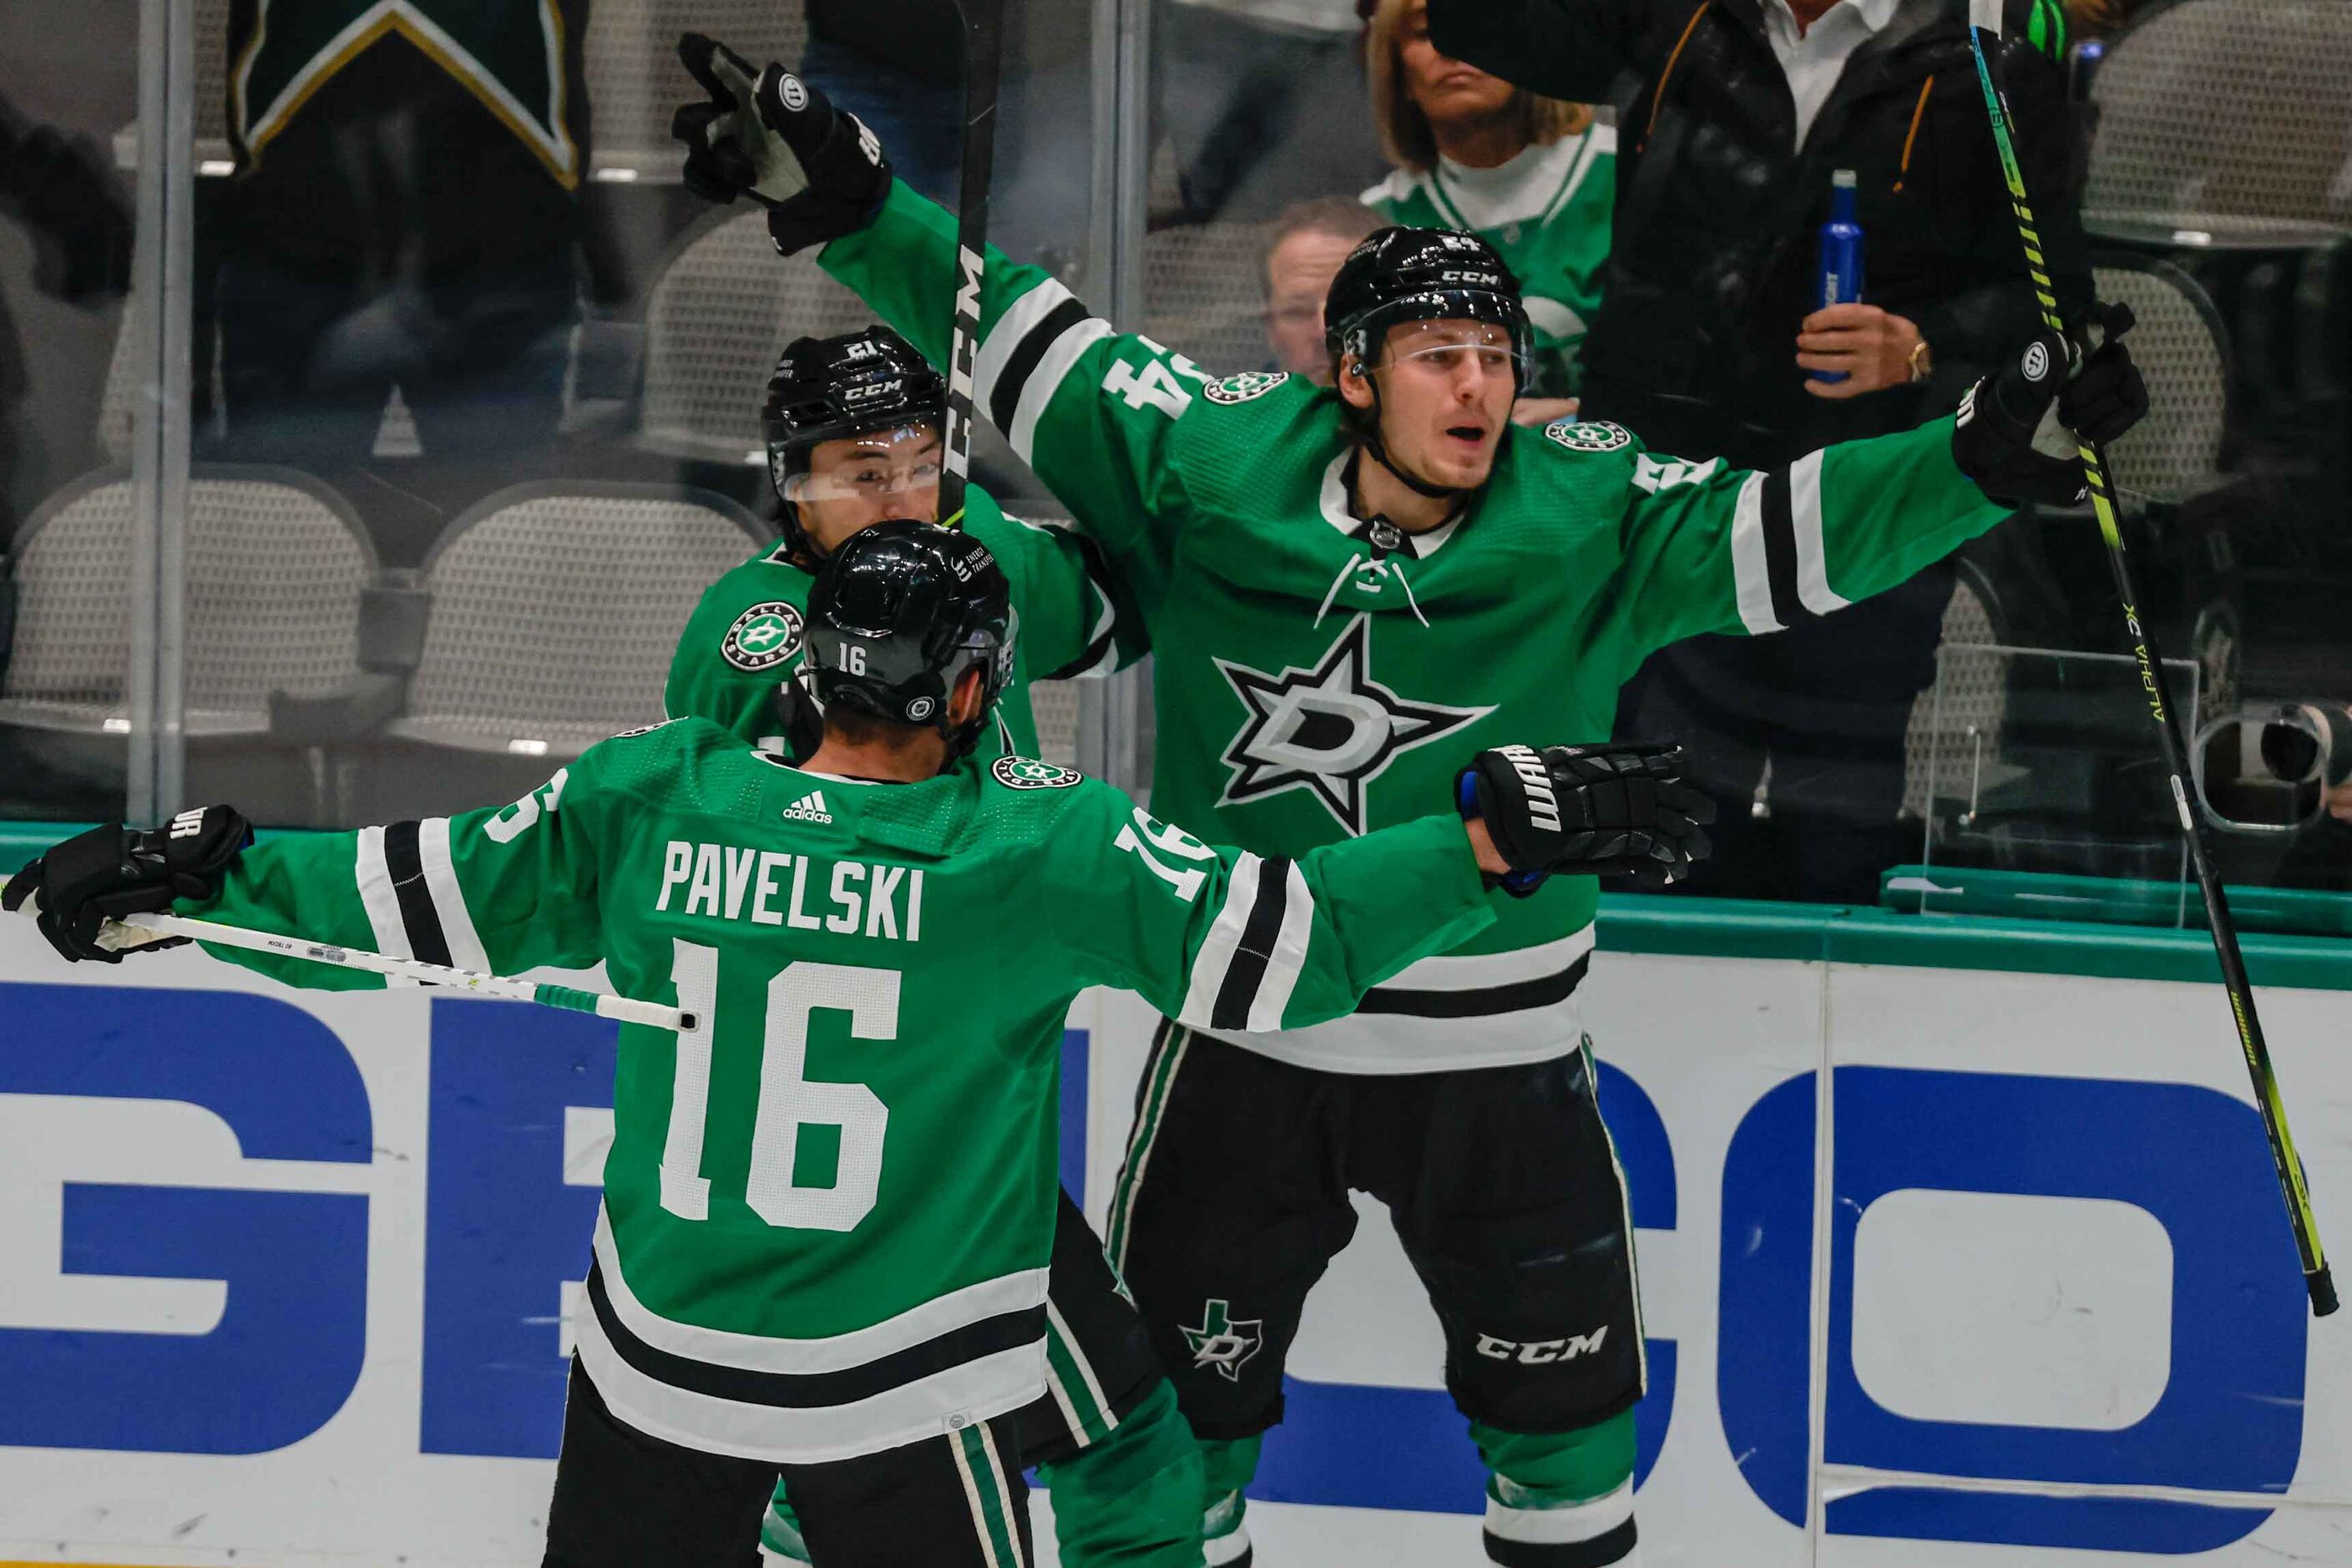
[(898, 612), (825, 389), (1421, 275)]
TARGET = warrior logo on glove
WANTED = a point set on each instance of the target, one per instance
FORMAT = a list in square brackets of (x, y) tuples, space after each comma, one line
[(1590, 811)]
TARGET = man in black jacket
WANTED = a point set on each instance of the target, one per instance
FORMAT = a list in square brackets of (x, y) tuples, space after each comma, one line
[(1739, 112)]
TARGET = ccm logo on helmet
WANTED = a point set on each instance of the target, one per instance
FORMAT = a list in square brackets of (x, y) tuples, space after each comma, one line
[(1542, 1352), (869, 393), (1543, 807)]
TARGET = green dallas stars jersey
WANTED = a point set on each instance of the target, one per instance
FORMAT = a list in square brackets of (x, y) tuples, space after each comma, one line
[(1318, 676), (828, 1208), (743, 640), (1546, 212)]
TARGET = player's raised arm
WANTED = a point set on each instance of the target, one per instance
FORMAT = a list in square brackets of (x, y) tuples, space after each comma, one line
[(1077, 619), (1706, 548), (1090, 409), (501, 890)]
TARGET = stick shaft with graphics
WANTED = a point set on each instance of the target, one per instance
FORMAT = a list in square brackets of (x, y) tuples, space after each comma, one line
[(144, 931), (983, 37), (1985, 21)]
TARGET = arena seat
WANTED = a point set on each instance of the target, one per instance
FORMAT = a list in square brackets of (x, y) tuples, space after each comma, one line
[(556, 607), (1960, 716), (277, 572), (721, 314), (2179, 343)]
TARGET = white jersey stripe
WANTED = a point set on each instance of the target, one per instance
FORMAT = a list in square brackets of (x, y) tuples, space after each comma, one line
[(1003, 1495), (448, 899), (1289, 956), (1019, 318), (1046, 379), (913, 1412), (1749, 573), (1560, 1526), (1215, 958), (376, 897), (838, 1352), (1813, 588)]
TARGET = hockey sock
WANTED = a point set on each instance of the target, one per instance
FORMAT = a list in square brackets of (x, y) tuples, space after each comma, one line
[(780, 1533), (1132, 1497), (1560, 1499), (1226, 1469)]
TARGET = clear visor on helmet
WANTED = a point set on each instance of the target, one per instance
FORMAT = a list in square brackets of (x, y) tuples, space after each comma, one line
[(1450, 345), (875, 466)]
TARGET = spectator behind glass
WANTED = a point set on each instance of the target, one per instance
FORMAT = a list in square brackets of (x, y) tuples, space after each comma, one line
[(1258, 101), (1310, 240), (1533, 177), (1706, 329), (403, 214)]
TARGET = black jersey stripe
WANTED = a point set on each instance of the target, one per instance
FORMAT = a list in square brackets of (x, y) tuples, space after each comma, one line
[(815, 1390), (405, 865), (1519, 997), (1781, 549), (1247, 970), (1609, 1546), (1097, 652), (1022, 362)]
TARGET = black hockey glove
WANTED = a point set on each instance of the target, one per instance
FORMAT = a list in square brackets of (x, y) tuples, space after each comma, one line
[(2016, 429), (1589, 811), (770, 135), (113, 870)]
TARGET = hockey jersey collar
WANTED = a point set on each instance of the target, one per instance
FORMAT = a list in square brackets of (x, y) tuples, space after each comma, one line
[(1333, 504)]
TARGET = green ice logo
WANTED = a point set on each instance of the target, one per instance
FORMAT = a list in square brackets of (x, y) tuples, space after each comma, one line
[(1242, 388), (1221, 1342), (1028, 772), (762, 636)]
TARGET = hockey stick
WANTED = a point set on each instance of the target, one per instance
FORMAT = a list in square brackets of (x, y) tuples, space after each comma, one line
[(983, 41), (141, 931), (1985, 18)]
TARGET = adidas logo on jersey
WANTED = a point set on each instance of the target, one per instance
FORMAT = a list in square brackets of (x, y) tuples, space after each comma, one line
[(808, 808)]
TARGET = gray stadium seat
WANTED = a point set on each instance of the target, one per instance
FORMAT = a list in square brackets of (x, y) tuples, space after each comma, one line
[(2221, 115), (556, 608), (635, 82), (720, 315), (1204, 293), (1960, 716), (2178, 342), (276, 565)]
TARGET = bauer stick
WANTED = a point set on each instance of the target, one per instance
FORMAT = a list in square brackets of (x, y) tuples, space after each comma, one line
[(141, 931), (983, 43), (1985, 17)]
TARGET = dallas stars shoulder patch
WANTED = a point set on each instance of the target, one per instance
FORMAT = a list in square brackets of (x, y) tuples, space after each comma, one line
[(1028, 772), (1241, 388), (1588, 435), (762, 636), (1329, 731)]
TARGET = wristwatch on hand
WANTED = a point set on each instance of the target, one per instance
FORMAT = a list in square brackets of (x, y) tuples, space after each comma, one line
[(1923, 363)]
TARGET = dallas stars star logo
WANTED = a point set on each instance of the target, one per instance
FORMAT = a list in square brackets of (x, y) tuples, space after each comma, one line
[(1221, 1342), (1330, 730)]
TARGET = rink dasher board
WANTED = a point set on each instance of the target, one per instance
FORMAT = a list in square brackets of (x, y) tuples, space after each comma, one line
[(396, 1188)]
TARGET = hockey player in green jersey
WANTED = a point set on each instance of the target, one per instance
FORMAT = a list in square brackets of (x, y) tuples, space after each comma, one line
[(1333, 583), (853, 426), (829, 1202)]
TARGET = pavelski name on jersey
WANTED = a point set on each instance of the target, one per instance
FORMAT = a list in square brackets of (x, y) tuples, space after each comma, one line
[(768, 888)]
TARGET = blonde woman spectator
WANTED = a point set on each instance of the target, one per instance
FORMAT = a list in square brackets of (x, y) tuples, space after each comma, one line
[(1534, 177)]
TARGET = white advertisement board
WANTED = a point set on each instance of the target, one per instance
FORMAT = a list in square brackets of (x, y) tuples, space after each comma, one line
[(284, 1275)]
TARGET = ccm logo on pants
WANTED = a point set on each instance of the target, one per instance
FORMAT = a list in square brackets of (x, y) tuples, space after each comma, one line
[(1538, 1353)]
